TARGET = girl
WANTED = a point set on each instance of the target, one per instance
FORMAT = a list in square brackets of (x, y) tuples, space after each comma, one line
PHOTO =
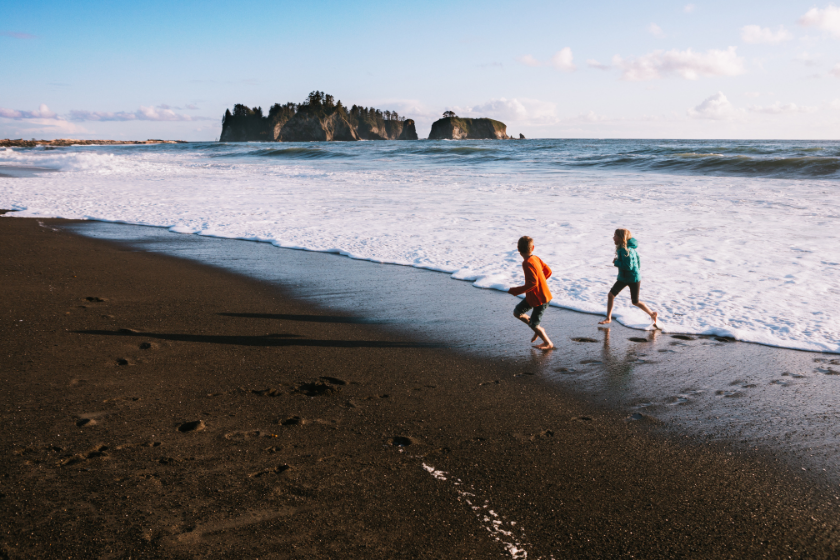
[(628, 263)]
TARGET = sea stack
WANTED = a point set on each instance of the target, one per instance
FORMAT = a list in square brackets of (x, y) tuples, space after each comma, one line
[(452, 127), (318, 119)]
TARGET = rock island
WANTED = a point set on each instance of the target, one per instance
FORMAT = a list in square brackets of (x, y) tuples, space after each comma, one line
[(452, 127), (319, 118)]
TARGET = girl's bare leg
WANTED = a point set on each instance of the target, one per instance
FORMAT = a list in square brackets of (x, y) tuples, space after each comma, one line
[(610, 302), (653, 314)]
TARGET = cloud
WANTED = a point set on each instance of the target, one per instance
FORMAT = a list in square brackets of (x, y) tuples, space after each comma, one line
[(717, 108), (780, 109), (591, 117), (807, 59), (562, 60), (529, 60), (17, 35), (191, 107), (752, 94), (754, 35), (655, 30), (159, 113), (827, 19), (597, 65), (688, 8), (835, 71), (686, 64), (43, 112), (521, 111)]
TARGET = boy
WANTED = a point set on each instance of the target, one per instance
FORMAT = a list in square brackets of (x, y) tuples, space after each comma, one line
[(535, 289)]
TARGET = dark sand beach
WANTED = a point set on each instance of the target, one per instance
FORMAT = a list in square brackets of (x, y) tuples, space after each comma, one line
[(154, 407)]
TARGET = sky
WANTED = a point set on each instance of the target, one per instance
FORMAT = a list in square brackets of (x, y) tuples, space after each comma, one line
[(645, 69)]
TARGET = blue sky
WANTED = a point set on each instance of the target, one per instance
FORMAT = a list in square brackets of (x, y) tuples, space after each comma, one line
[(548, 69)]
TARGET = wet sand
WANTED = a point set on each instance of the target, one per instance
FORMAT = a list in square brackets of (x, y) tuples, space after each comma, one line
[(156, 407)]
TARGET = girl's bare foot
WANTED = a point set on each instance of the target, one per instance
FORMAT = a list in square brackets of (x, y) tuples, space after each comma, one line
[(654, 316), (535, 337), (544, 346), (605, 321)]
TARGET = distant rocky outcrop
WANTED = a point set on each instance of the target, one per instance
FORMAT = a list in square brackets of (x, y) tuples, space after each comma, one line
[(521, 136), (319, 119), (63, 142), (456, 128)]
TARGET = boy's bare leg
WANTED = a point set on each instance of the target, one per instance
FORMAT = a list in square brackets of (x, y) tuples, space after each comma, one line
[(547, 344), (610, 302)]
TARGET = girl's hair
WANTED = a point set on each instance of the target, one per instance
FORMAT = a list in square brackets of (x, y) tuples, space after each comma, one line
[(624, 236)]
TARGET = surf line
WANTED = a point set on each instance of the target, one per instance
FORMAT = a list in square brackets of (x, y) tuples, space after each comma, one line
[(487, 517)]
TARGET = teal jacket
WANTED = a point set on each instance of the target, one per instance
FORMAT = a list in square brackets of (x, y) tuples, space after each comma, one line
[(628, 263)]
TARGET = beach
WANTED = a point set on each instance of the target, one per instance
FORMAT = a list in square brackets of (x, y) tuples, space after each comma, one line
[(159, 407)]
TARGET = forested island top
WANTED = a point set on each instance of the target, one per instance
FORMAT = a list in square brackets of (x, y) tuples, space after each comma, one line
[(319, 118)]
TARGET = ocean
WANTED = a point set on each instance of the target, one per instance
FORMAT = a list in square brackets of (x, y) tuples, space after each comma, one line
[(737, 238)]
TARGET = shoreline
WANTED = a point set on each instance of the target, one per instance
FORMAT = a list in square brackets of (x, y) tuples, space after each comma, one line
[(318, 431), (716, 334)]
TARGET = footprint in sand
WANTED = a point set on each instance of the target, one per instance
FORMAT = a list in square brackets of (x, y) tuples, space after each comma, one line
[(147, 345), (642, 418), (85, 422), (317, 388), (682, 337), (584, 339), (245, 435), (591, 362), (565, 370), (94, 452), (293, 421), (94, 299), (273, 470), (403, 441), (194, 426), (827, 371), (794, 375), (637, 339), (124, 362)]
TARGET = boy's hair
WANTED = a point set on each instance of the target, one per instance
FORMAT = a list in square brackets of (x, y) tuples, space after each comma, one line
[(525, 244)]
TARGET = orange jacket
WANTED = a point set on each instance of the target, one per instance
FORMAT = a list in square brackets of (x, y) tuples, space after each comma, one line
[(535, 288)]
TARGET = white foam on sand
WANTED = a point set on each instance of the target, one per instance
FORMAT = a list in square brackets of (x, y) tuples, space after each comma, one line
[(755, 259), (500, 529)]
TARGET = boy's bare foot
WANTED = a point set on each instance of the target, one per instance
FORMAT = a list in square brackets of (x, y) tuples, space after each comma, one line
[(544, 346), (535, 337), (654, 316), (605, 321)]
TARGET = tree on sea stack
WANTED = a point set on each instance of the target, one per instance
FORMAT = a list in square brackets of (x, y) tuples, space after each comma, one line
[(449, 114)]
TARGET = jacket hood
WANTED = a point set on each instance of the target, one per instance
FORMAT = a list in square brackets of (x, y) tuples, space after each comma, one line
[(632, 243)]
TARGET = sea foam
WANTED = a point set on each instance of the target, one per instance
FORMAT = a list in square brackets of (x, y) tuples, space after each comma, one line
[(752, 257)]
